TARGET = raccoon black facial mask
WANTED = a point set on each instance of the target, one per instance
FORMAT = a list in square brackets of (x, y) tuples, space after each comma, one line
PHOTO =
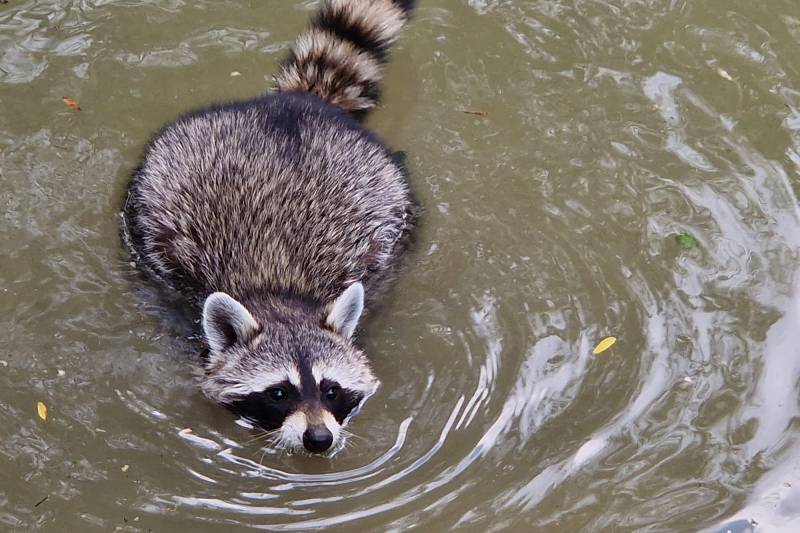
[(283, 218), (291, 368), (303, 416), (269, 408)]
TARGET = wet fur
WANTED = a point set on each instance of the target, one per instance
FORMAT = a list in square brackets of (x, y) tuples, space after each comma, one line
[(282, 202), (280, 194)]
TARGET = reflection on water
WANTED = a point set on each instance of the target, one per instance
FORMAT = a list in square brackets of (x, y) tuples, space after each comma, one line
[(608, 129)]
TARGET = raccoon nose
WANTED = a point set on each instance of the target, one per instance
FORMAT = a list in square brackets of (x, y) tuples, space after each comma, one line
[(317, 439)]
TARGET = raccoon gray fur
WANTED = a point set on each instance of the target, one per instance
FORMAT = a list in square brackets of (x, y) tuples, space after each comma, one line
[(278, 216)]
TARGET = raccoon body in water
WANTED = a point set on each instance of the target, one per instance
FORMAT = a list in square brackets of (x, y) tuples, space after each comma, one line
[(281, 217)]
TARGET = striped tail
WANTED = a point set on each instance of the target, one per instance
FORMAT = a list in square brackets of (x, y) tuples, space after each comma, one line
[(339, 56)]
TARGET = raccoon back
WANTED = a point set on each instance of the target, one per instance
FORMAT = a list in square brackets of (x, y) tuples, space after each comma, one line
[(284, 193)]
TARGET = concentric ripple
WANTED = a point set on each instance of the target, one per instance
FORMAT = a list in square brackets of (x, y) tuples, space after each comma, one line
[(587, 168)]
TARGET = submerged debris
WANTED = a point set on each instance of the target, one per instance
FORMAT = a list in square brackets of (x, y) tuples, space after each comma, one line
[(687, 240), (72, 104), (724, 73)]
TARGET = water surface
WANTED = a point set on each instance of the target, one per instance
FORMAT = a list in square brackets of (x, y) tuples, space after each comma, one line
[(610, 127)]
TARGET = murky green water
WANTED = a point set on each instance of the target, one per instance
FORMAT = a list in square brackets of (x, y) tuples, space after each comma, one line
[(611, 127)]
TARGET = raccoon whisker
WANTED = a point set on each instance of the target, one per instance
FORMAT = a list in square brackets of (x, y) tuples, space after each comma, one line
[(272, 440), (343, 444), (265, 440), (263, 454), (278, 443), (257, 436), (347, 434), (264, 435), (255, 440), (273, 443)]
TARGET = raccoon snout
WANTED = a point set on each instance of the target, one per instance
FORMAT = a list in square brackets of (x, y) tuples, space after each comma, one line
[(317, 439)]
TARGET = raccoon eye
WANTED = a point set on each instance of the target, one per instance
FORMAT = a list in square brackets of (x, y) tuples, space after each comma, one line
[(332, 392), (277, 394)]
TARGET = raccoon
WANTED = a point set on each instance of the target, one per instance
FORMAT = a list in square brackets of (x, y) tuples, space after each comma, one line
[(279, 219)]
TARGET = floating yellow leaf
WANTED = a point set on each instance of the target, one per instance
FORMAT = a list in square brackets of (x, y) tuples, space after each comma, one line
[(41, 410), (604, 345)]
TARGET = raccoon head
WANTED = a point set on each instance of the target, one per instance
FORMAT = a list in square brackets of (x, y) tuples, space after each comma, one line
[(290, 368)]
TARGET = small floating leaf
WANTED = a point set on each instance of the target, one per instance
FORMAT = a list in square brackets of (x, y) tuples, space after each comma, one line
[(604, 345), (72, 104), (41, 410), (687, 240)]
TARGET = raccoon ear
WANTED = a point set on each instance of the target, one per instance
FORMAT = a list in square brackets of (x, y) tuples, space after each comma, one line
[(226, 322), (346, 310)]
